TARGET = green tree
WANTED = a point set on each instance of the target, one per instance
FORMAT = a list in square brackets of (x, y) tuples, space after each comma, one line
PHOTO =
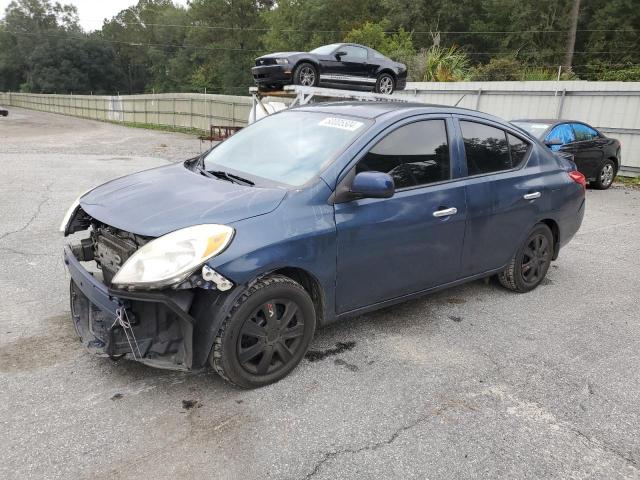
[(397, 45)]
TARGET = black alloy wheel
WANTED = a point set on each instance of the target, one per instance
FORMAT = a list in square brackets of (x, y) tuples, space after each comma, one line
[(270, 337), (266, 334), (530, 264), (535, 259)]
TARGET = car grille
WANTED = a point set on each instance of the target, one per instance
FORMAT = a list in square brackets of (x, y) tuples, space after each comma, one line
[(265, 61)]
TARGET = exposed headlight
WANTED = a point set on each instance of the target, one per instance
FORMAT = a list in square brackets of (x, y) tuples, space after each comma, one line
[(282, 61), (72, 210), (173, 257)]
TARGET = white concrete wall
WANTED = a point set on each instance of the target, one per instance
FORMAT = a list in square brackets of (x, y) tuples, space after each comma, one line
[(612, 107)]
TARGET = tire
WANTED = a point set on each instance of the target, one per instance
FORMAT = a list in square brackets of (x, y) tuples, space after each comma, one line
[(306, 74), (385, 84), (253, 348), (531, 262), (605, 177)]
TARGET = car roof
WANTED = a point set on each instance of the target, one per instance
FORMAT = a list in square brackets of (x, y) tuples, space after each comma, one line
[(373, 110), (550, 121)]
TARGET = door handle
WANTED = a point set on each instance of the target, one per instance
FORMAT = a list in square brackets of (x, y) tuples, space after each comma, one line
[(446, 212), (532, 196)]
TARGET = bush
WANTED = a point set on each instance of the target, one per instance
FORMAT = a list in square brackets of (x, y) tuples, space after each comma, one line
[(502, 68), (509, 68), (438, 64), (631, 74)]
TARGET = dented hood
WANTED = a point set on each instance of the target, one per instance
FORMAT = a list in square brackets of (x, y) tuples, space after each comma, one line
[(161, 200)]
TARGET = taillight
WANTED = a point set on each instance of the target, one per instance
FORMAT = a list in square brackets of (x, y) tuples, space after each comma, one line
[(579, 178)]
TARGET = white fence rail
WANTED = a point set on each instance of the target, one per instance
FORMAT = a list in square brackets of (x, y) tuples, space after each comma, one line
[(188, 110), (612, 107)]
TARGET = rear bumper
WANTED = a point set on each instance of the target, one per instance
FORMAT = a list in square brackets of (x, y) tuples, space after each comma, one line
[(272, 74), (160, 322)]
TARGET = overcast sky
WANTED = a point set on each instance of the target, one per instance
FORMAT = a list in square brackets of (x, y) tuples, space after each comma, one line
[(93, 12)]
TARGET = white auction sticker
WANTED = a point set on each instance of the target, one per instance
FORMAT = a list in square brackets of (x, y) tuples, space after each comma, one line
[(342, 123)]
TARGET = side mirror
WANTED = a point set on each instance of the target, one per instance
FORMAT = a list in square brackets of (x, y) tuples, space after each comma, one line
[(372, 185), (340, 54), (554, 142)]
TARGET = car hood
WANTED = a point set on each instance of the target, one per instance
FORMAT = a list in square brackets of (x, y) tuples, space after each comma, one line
[(161, 200), (281, 54)]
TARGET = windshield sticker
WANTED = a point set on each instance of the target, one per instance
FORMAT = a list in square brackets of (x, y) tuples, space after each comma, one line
[(341, 123)]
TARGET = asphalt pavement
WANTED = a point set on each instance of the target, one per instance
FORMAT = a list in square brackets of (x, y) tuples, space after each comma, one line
[(472, 382)]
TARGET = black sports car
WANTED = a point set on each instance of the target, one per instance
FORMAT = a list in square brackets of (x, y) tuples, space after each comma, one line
[(341, 65), (3, 111), (597, 156)]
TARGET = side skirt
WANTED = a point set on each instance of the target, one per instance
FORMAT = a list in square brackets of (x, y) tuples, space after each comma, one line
[(411, 296)]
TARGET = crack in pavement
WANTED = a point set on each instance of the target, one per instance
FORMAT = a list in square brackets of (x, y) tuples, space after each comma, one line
[(589, 441), (605, 447), (327, 456), (28, 254), (34, 216)]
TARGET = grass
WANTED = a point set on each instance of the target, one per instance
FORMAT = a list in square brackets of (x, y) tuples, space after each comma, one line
[(628, 181), (163, 128)]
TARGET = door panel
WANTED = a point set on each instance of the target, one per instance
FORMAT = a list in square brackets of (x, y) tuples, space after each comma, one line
[(498, 214), (350, 69), (396, 246), (499, 217), (587, 150)]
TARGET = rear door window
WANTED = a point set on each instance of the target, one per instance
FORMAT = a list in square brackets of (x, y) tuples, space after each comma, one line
[(562, 132), (486, 148), (414, 154), (584, 132)]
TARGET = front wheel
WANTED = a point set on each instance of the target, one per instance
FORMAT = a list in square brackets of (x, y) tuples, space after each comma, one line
[(531, 262), (306, 75), (266, 334), (605, 176), (385, 84)]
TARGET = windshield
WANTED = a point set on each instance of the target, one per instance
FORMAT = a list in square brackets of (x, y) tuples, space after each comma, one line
[(535, 129), (325, 49), (289, 147)]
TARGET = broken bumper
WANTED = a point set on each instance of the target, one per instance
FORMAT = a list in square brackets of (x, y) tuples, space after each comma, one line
[(161, 329)]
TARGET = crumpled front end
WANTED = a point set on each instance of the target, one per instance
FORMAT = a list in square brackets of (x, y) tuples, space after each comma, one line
[(157, 328)]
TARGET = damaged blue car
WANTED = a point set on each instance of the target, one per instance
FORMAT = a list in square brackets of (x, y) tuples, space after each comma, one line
[(233, 259)]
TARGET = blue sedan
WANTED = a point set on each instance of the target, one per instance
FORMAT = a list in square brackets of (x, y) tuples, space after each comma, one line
[(234, 258)]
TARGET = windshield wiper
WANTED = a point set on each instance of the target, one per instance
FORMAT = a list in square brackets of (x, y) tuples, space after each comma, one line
[(230, 177), (221, 174)]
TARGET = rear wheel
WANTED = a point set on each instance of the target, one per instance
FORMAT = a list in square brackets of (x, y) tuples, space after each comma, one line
[(306, 75), (605, 176), (266, 334), (385, 84), (531, 262)]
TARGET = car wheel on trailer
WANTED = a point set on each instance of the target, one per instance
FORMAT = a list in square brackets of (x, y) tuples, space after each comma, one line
[(266, 333), (306, 75), (385, 84), (531, 262), (605, 176)]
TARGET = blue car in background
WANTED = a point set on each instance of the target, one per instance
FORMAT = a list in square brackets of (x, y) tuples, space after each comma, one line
[(314, 214)]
